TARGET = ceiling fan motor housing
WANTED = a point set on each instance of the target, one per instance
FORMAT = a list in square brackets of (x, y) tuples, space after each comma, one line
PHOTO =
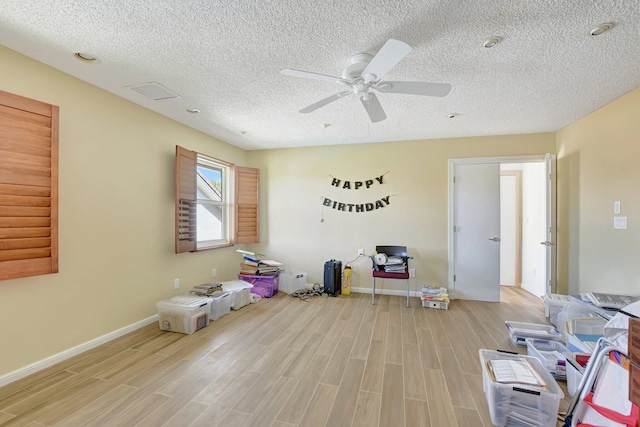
[(358, 63)]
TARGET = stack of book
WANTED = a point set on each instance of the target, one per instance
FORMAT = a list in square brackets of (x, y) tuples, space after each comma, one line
[(435, 297), (395, 264), (253, 265), (208, 289)]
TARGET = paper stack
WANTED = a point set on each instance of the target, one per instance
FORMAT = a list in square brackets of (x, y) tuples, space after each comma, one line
[(435, 297)]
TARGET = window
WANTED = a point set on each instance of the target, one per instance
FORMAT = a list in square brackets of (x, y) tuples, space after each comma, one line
[(28, 187), (216, 202)]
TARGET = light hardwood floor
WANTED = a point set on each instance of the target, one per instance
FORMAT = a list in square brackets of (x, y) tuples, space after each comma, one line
[(283, 362)]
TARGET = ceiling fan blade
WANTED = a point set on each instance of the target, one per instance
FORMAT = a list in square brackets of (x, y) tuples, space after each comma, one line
[(414, 88), (323, 102), (391, 53), (315, 76), (374, 108)]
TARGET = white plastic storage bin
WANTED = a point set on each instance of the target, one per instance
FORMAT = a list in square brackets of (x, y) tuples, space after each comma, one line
[(291, 281), (574, 309), (520, 404), (519, 332), (220, 305), (240, 293), (185, 314), (553, 305), (551, 354), (574, 375)]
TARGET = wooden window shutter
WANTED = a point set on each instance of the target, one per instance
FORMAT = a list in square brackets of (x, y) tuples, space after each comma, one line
[(28, 187), (247, 205), (186, 203)]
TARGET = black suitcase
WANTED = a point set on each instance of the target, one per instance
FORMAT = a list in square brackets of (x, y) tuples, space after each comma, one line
[(333, 277)]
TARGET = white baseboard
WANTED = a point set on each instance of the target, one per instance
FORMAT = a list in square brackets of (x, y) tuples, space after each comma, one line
[(64, 355), (397, 292)]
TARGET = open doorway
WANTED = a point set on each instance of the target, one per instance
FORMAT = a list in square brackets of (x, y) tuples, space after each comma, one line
[(522, 226), (479, 242)]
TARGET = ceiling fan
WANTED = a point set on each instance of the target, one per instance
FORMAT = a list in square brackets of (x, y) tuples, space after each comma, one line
[(365, 73)]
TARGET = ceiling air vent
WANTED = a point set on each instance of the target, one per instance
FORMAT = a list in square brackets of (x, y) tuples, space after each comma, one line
[(154, 91)]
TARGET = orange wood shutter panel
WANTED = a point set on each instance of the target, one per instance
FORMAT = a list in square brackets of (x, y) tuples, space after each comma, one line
[(247, 205), (28, 187), (186, 203)]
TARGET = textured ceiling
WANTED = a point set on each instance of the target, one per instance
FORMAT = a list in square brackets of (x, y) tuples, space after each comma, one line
[(224, 58)]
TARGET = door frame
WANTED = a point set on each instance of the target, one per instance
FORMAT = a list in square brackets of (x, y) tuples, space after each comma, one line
[(517, 175), (451, 204)]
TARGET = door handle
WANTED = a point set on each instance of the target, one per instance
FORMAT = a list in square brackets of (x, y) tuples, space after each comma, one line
[(495, 239), (547, 243)]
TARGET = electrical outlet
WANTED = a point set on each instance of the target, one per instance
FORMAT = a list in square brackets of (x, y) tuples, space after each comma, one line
[(214, 272), (412, 272), (360, 251), (176, 283)]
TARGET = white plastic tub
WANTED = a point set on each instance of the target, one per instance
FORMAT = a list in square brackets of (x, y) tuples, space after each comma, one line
[(292, 280), (220, 305), (240, 293), (574, 375)]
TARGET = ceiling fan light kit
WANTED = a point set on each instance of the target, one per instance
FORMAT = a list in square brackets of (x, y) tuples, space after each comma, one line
[(365, 73)]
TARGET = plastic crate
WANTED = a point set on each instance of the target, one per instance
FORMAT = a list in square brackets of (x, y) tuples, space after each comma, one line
[(515, 404), (265, 286), (551, 354), (519, 332), (553, 305), (291, 281)]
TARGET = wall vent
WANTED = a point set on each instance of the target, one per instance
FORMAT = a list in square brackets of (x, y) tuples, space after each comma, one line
[(154, 91)]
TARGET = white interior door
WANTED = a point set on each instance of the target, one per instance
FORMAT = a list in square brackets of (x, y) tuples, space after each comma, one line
[(550, 243), (476, 222)]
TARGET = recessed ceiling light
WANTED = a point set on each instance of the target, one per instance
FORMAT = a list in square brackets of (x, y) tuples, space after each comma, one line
[(602, 28), (452, 115), (193, 111), (243, 132), (492, 41), (326, 125), (86, 57)]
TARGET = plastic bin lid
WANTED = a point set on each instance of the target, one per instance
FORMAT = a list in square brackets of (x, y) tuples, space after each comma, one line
[(234, 285), (186, 301)]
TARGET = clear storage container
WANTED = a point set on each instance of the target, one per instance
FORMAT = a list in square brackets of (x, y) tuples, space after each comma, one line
[(185, 314), (551, 354), (553, 305), (515, 404), (519, 332)]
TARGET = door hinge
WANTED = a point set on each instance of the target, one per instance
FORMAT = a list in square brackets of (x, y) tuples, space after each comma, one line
[(454, 277)]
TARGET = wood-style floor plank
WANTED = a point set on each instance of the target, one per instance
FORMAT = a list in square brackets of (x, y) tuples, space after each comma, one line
[(283, 362)]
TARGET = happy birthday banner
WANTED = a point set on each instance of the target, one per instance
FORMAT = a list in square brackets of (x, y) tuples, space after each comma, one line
[(356, 185)]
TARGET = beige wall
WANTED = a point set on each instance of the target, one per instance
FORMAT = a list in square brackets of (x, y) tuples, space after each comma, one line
[(599, 163), (295, 180), (116, 210), (116, 219)]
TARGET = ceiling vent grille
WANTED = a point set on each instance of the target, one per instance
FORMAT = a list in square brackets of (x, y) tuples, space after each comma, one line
[(154, 91)]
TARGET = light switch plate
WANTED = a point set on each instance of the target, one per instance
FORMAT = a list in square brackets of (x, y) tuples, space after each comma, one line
[(620, 222), (616, 207)]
